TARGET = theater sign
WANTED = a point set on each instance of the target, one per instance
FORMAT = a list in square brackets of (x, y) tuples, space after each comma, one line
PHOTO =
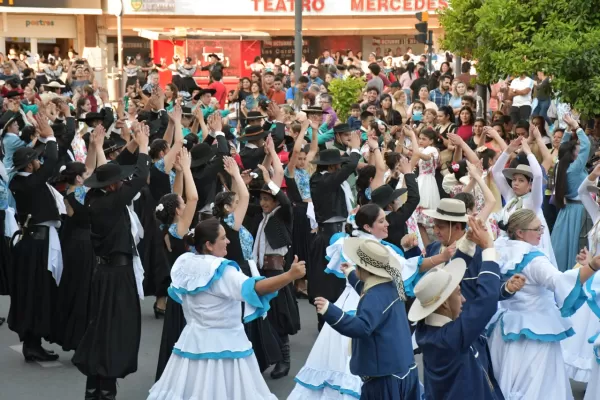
[(257, 8)]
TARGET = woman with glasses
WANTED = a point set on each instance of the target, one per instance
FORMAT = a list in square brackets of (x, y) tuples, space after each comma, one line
[(526, 332)]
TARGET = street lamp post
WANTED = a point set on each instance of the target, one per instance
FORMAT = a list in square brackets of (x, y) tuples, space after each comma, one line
[(298, 49)]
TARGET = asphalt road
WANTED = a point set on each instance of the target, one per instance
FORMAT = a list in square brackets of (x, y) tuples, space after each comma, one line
[(62, 381)]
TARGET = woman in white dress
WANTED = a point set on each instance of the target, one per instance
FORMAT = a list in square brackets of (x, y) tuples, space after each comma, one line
[(526, 190), (582, 351), (525, 333), (326, 374), (213, 358)]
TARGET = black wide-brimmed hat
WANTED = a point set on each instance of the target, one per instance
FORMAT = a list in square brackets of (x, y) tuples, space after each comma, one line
[(252, 115), (186, 111), (8, 118), (12, 93), (108, 174), (203, 91), (263, 189), (385, 195), (90, 117), (23, 156), (342, 128), (113, 144), (201, 154), (328, 157), (215, 56), (253, 133), (314, 110)]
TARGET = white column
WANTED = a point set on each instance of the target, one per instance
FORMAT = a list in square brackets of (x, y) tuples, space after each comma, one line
[(3, 33), (34, 46)]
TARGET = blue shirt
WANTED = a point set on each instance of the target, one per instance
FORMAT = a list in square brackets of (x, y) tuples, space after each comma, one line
[(317, 81), (246, 239), (354, 122), (453, 355), (438, 98), (381, 339), (252, 103), (291, 92), (11, 142)]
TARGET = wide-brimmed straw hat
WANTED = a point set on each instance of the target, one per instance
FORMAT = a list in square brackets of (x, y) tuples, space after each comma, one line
[(449, 210), (522, 169), (435, 287), (107, 174), (372, 256)]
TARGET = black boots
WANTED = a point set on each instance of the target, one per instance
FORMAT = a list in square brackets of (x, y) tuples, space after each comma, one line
[(282, 368), (33, 351), (100, 389)]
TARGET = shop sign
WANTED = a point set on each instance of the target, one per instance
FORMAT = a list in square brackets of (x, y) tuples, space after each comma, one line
[(52, 6), (284, 48), (249, 8), (42, 27)]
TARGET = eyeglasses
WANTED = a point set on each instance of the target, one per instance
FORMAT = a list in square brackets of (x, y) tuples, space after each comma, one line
[(539, 229)]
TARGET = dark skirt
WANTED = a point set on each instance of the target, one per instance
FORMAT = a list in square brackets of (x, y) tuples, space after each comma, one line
[(186, 84), (321, 284), (5, 259), (172, 328), (284, 315), (301, 235), (109, 348), (176, 80), (33, 290), (73, 296), (392, 388)]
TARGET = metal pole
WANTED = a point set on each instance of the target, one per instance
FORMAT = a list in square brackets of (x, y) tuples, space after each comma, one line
[(298, 50), (430, 52), (119, 75)]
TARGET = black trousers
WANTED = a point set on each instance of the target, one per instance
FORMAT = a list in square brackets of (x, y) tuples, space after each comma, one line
[(520, 113)]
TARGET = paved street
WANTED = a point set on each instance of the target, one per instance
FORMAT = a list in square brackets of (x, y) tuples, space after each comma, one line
[(62, 381)]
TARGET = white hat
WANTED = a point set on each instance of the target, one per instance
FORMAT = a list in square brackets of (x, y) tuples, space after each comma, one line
[(374, 257), (435, 287), (522, 169), (54, 84), (449, 210)]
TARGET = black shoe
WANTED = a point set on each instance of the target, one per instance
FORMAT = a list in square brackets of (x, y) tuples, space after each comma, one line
[(282, 368), (38, 354), (91, 394), (107, 395), (2, 320), (158, 312)]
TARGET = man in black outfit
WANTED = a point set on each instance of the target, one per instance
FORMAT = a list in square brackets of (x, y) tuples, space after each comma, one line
[(331, 196), (386, 197), (36, 277), (110, 345)]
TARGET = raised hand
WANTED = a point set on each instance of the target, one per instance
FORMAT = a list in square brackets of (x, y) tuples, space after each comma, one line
[(478, 233), (185, 159), (297, 269), (514, 145), (231, 166), (265, 173)]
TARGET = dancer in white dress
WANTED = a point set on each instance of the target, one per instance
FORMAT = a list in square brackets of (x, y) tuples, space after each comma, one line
[(526, 192), (213, 358), (578, 350), (326, 374), (526, 331)]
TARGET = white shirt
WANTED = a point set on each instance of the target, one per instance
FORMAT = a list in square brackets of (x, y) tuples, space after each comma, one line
[(520, 84)]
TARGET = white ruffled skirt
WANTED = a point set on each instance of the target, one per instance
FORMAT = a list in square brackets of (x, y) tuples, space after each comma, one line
[(592, 392), (578, 353), (227, 379), (529, 369), (326, 374)]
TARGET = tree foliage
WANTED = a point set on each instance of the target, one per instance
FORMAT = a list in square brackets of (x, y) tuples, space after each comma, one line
[(345, 92), (561, 37)]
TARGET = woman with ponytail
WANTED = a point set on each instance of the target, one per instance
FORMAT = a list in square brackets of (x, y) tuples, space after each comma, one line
[(572, 222), (175, 216), (79, 261)]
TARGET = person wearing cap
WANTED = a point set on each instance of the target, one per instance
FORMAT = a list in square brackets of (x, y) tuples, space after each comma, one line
[(253, 151), (11, 140), (388, 197), (215, 63), (328, 359), (272, 242), (525, 190), (37, 257), (109, 348), (382, 354), (455, 357), (530, 326), (333, 200), (325, 134)]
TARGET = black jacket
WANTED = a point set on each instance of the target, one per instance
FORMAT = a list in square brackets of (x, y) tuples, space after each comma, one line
[(397, 219), (278, 231), (32, 195)]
